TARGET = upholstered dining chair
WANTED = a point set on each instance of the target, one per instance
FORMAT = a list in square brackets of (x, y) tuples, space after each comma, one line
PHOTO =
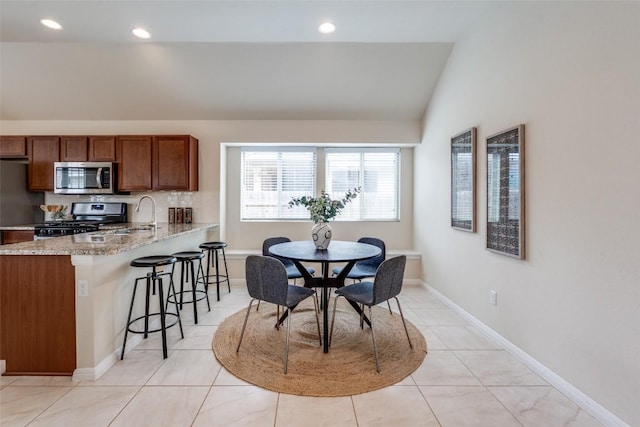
[(292, 270), (366, 268), (386, 284), (267, 281)]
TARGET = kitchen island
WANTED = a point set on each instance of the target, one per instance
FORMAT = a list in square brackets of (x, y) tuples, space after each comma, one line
[(64, 301)]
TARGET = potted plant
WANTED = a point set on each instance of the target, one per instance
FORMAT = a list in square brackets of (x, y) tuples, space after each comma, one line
[(322, 209)]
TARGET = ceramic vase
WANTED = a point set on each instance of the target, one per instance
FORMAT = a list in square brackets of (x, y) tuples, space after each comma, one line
[(321, 235)]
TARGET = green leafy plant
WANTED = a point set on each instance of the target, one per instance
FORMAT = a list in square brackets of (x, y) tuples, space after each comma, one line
[(323, 208)]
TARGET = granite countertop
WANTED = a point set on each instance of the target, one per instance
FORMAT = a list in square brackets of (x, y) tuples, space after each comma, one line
[(109, 240), (18, 227)]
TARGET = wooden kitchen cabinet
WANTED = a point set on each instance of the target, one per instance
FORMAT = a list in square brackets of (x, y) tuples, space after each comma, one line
[(175, 163), (145, 162), (88, 148), (16, 236), (42, 151), (73, 148), (37, 314), (159, 162), (102, 148), (13, 147), (134, 154)]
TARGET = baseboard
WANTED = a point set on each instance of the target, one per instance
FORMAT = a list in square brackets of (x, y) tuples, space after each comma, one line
[(585, 402), (92, 374)]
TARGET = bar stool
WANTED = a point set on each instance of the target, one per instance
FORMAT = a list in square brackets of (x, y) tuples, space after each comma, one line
[(153, 278), (186, 260), (212, 249)]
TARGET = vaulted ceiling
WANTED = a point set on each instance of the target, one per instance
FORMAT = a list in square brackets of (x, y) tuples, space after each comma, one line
[(210, 60)]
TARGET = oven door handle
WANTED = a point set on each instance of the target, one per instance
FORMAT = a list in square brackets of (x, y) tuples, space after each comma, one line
[(99, 177)]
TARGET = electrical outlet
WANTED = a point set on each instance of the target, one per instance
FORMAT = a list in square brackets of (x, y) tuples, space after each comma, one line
[(83, 288), (493, 297)]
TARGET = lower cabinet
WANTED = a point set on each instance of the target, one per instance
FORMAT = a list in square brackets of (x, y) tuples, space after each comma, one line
[(37, 314), (16, 236)]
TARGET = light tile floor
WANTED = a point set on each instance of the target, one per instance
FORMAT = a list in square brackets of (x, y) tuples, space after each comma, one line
[(465, 380)]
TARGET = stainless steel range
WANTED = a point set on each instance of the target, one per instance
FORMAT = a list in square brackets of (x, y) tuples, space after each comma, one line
[(87, 217)]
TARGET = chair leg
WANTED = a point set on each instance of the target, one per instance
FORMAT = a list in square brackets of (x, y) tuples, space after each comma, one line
[(286, 350), (403, 322), (126, 328), (389, 305), (217, 266), (315, 306), (226, 270), (200, 276), (206, 278), (333, 318), (172, 288), (190, 268), (244, 325), (373, 336), (163, 320)]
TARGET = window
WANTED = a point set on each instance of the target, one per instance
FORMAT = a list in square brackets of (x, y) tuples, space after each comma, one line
[(271, 177), (376, 171)]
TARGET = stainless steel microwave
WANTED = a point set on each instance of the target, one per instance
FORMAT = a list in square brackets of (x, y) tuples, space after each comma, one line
[(84, 177)]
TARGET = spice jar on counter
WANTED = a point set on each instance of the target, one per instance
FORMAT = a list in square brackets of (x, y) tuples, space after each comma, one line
[(188, 215)]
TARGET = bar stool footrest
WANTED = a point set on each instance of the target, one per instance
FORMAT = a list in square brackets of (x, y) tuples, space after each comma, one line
[(212, 277), (189, 294), (175, 322)]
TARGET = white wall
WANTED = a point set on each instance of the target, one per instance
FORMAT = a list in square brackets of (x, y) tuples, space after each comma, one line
[(569, 71)]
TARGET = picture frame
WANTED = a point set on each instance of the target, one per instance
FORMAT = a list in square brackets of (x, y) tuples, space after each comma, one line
[(463, 180), (505, 192)]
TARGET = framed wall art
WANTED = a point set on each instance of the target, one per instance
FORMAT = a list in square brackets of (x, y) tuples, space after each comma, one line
[(505, 192), (463, 180)]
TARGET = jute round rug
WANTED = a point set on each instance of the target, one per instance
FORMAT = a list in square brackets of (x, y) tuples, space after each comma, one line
[(347, 369)]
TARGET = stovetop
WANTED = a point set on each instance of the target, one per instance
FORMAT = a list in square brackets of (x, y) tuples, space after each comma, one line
[(63, 224), (87, 217)]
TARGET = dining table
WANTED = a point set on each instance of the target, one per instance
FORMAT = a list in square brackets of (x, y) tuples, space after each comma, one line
[(337, 252)]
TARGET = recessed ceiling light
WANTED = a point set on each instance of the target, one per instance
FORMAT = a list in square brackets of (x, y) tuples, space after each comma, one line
[(141, 32), (50, 23), (326, 28)]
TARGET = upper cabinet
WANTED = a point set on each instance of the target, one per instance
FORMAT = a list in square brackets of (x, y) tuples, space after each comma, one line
[(13, 147), (134, 162), (144, 162), (73, 148), (102, 148), (147, 163), (175, 163), (43, 151), (88, 148)]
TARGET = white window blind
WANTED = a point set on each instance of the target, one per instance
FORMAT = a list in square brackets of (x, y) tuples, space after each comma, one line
[(271, 177), (376, 171)]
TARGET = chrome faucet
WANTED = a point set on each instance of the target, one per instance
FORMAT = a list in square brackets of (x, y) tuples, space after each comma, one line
[(153, 209)]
